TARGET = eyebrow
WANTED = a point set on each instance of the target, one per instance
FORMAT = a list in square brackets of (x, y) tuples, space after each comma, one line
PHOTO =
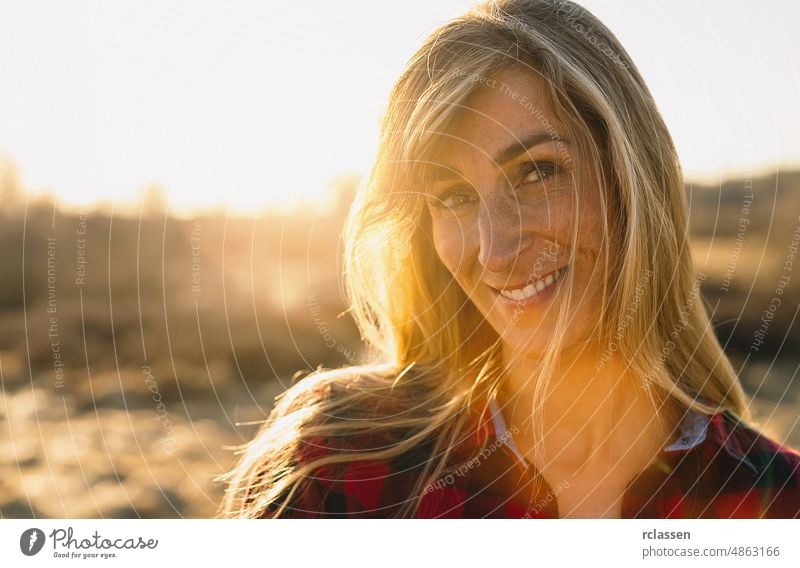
[(444, 172)]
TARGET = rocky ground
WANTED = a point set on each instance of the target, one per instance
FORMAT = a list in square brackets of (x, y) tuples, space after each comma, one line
[(63, 458)]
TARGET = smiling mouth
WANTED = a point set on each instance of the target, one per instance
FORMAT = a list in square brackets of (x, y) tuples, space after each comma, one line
[(534, 287)]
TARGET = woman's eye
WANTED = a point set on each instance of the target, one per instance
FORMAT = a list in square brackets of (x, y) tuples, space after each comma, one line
[(454, 201), (451, 200), (532, 172)]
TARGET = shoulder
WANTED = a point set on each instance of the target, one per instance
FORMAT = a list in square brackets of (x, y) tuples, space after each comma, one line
[(765, 474), (335, 444), (746, 440)]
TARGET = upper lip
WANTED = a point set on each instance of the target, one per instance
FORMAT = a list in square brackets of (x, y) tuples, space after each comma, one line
[(508, 287)]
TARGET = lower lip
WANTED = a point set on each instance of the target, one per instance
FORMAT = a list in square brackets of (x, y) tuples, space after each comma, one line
[(535, 300)]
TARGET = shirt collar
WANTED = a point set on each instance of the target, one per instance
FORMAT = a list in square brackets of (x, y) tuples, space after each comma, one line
[(694, 429)]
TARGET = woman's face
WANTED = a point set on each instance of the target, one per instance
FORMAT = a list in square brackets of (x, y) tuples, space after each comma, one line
[(503, 205)]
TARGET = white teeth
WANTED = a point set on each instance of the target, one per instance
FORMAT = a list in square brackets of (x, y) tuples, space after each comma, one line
[(533, 288)]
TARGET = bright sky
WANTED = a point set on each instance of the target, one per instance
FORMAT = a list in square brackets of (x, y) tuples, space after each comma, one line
[(256, 104)]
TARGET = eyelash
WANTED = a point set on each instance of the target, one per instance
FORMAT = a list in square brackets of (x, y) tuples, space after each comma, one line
[(544, 169)]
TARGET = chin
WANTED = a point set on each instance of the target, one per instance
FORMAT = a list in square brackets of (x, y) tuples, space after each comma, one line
[(524, 345), (531, 338)]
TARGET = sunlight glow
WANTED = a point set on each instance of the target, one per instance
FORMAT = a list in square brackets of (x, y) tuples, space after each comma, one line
[(253, 105)]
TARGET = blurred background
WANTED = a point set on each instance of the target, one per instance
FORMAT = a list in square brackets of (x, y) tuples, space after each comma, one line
[(173, 182)]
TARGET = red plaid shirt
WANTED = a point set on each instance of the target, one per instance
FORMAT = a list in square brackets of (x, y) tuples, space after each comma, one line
[(718, 468)]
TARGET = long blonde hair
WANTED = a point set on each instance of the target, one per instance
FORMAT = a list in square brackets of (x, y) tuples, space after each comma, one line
[(436, 356)]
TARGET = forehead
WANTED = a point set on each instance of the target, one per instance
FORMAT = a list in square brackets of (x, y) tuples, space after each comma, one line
[(505, 108)]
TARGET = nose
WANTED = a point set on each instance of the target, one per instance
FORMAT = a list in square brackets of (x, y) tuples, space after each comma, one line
[(501, 235)]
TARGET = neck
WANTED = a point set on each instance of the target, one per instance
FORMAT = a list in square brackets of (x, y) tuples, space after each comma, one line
[(591, 414)]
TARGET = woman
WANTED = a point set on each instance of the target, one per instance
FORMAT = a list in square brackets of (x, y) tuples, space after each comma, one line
[(518, 261)]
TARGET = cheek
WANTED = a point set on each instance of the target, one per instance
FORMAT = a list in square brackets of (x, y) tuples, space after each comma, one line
[(450, 241), (593, 247), (582, 207), (551, 213), (592, 231)]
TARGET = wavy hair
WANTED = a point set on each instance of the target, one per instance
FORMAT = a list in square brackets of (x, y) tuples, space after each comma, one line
[(436, 358)]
